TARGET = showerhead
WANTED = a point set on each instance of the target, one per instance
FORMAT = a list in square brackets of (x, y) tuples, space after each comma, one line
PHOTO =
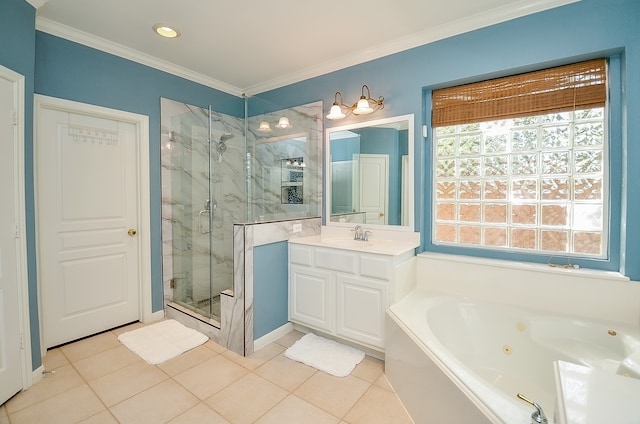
[(221, 146)]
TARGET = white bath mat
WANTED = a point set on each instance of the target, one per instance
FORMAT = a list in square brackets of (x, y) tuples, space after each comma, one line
[(326, 355), (160, 342)]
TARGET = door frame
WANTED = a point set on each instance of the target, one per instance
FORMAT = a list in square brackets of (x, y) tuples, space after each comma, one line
[(29, 376), (141, 122)]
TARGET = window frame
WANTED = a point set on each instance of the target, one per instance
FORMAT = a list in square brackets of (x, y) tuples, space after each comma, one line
[(614, 163)]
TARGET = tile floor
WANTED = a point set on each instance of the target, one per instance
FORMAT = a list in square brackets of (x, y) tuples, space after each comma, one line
[(97, 380)]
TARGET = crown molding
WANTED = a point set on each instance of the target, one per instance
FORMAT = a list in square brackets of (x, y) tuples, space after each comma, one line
[(81, 37), (490, 17), (487, 18), (37, 3)]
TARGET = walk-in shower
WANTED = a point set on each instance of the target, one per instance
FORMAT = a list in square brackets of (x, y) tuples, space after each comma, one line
[(219, 170)]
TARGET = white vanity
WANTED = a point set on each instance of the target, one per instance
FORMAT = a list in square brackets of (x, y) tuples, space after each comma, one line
[(342, 286)]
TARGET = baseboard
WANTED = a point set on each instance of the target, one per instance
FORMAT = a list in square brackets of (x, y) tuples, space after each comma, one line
[(272, 336)]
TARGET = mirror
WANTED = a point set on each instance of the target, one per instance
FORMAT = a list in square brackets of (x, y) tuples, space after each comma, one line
[(369, 174)]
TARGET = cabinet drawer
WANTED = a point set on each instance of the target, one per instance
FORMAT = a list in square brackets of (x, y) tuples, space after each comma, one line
[(375, 267), (337, 260), (300, 255)]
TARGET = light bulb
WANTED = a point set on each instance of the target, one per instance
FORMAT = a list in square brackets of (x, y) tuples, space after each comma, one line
[(283, 122), (335, 112), (264, 126), (166, 31), (363, 107)]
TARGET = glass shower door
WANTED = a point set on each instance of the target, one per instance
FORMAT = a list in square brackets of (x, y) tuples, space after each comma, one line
[(192, 211)]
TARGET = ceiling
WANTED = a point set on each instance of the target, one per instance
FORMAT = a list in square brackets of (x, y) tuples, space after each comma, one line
[(251, 46)]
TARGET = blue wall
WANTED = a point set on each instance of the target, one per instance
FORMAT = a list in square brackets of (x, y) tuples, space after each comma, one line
[(270, 288), (344, 149), (17, 23)]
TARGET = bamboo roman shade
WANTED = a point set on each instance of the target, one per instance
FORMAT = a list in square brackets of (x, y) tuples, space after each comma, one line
[(576, 86)]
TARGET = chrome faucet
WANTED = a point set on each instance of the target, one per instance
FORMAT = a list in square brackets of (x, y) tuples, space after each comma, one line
[(360, 233)]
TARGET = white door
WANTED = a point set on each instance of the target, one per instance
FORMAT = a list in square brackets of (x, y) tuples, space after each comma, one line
[(10, 350), (374, 187), (87, 218)]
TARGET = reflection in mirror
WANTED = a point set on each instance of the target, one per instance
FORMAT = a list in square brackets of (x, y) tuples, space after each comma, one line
[(285, 163), (370, 173)]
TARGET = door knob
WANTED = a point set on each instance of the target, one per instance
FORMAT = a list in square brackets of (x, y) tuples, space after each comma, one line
[(381, 214), (132, 232)]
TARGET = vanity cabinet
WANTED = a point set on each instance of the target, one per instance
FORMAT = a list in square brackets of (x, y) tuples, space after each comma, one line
[(344, 293)]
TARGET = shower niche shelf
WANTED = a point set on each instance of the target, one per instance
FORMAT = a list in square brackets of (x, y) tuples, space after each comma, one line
[(292, 180)]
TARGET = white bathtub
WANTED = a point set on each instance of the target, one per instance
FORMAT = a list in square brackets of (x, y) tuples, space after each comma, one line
[(455, 359)]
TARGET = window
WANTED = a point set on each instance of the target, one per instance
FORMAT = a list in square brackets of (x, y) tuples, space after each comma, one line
[(520, 162)]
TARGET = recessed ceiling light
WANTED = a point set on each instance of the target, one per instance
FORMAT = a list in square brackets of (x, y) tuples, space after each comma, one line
[(165, 30)]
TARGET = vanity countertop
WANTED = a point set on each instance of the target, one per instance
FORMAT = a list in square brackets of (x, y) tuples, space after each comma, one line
[(374, 245)]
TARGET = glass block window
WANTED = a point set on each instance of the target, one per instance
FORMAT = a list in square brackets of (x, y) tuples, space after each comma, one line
[(533, 183)]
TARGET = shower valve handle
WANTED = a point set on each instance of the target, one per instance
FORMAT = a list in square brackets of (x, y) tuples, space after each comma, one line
[(202, 212), (538, 416)]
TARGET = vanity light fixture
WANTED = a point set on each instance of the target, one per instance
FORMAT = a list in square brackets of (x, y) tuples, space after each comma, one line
[(167, 31), (298, 162), (338, 110), (366, 104), (283, 124)]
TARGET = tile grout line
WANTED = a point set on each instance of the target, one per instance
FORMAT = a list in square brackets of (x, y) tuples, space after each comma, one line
[(89, 385), (248, 365)]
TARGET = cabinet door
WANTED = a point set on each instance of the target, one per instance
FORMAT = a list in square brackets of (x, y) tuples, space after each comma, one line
[(311, 294), (361, 304)]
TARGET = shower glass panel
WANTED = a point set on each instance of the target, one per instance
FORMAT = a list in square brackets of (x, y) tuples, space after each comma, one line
[(219, 170), (203, 164), (285, 178)]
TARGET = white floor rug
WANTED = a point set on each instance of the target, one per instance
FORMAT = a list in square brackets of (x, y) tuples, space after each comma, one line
[(160, 342), (326, 355)]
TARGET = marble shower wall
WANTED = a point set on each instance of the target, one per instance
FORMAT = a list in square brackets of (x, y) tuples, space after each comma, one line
[(270, 179)]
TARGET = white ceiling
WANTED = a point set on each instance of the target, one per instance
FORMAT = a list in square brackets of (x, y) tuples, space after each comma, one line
[(251, 46)]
